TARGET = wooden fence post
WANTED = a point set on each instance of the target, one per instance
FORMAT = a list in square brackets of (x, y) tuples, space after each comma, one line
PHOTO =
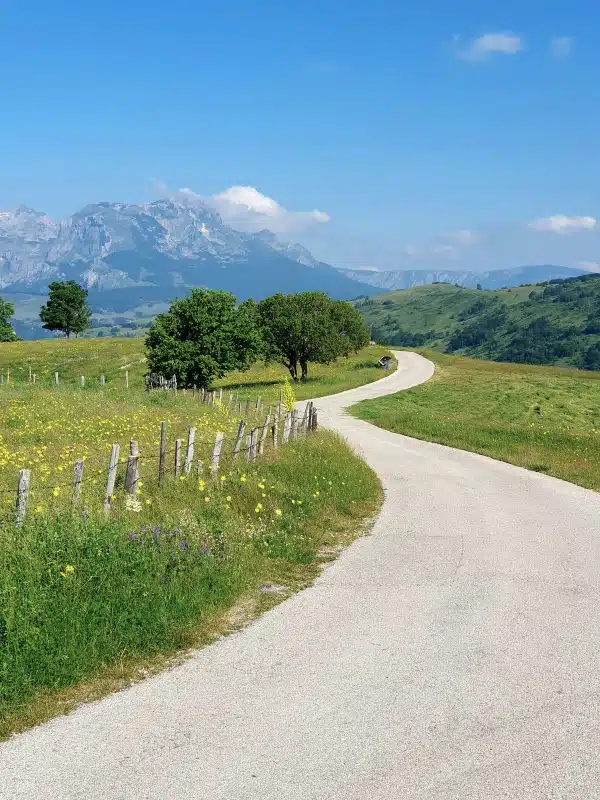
[(294, 425), (22, 494), (263, 436), (248, 406), (162, 453), (238, 441), (177, 457), (194, 392), (275, 430), (258, 402), (127, 379), (314, 419), (33, 377), (203, 394), (132, 468), (30, 373), (254, 443), (189, 452), (56, 378), (286, 427), (78, 476), (102, 380), (220, 395), (249, 447), (214, 467), (304, 423), (230, 401), (82, 381), (7, 376), (113, 465)]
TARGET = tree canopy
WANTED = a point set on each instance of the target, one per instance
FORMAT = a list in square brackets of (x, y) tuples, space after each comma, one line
[(309, 327), (7, 333), (203, 336), (67, 309)]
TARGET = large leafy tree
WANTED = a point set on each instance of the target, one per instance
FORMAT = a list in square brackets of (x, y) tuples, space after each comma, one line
[(203, 336), (309, 327), (67, 309), (7, 333)]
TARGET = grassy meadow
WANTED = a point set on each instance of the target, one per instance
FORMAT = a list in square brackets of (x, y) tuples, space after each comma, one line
[(88, 602), (546, 419)]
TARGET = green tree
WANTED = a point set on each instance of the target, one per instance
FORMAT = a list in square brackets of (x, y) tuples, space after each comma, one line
[(7, 333), (67, 309), (203, 336), (309, 327)]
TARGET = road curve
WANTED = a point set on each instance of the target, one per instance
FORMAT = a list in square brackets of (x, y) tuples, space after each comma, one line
[(453, 653)]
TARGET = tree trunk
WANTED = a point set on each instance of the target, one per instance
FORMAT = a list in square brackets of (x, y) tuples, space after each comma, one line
[(292, 365), (304, 366)]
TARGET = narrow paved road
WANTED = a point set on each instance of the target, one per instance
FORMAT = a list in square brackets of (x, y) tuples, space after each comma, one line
[(454, 653)]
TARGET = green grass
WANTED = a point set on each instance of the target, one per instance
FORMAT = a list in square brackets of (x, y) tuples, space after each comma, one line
[(323, 379), (543, 418), (87, 604), (112, 356)]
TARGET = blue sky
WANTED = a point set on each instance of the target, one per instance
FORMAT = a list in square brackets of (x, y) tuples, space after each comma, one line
[(404, 123)]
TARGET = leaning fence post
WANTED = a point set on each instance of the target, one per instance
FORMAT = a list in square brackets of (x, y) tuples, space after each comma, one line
[(56, 378), (214, 466), (102, 380), (177, 457), (162, 453), (248, 406), (189, 452), (275, 430), (263, 436), (249, 447), (112, 476), (238, 441), (304, 423), (33, 377), (254, 443), (22, 494), (127, 379), (294, 425), (258, 402), (314, 419), (82, 381), (78, 476), (286, 427), (132, 469)]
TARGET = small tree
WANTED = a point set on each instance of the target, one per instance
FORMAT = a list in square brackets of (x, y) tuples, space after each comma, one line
[(67, 309), (300, 328), (203, 336), (7, 333)]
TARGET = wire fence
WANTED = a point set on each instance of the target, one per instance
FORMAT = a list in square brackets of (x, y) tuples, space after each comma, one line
[(206, 458)]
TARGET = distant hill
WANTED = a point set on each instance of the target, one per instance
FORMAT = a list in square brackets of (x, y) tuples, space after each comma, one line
[(493, 279), (555, 322)]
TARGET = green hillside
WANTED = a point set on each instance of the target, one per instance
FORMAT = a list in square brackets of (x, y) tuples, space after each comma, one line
[(556, 322)]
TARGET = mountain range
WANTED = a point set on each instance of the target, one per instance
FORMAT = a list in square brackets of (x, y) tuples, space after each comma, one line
[(140, 256)]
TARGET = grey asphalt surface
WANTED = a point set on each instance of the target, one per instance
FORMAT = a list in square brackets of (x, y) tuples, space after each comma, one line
[(453, 653)]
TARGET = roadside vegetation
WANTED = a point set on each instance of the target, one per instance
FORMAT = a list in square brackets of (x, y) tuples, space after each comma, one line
[(90, 601), (543, 418)]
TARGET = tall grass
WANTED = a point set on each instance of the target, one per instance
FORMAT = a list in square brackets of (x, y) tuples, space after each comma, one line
[(543, 418), (78, 595)]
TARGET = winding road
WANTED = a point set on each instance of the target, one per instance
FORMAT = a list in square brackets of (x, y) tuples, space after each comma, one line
[(453, 653)]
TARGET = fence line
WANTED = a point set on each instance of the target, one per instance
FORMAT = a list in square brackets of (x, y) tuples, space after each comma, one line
[(253, 448)]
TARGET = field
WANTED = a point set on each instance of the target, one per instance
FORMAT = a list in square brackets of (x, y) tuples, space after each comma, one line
[(88, 602), (543, 418)]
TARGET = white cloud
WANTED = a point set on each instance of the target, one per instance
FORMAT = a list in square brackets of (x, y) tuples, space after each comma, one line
[(561, 46), (491, 43), (246, 208), (591, 266), (561, 224), (463, 238)]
